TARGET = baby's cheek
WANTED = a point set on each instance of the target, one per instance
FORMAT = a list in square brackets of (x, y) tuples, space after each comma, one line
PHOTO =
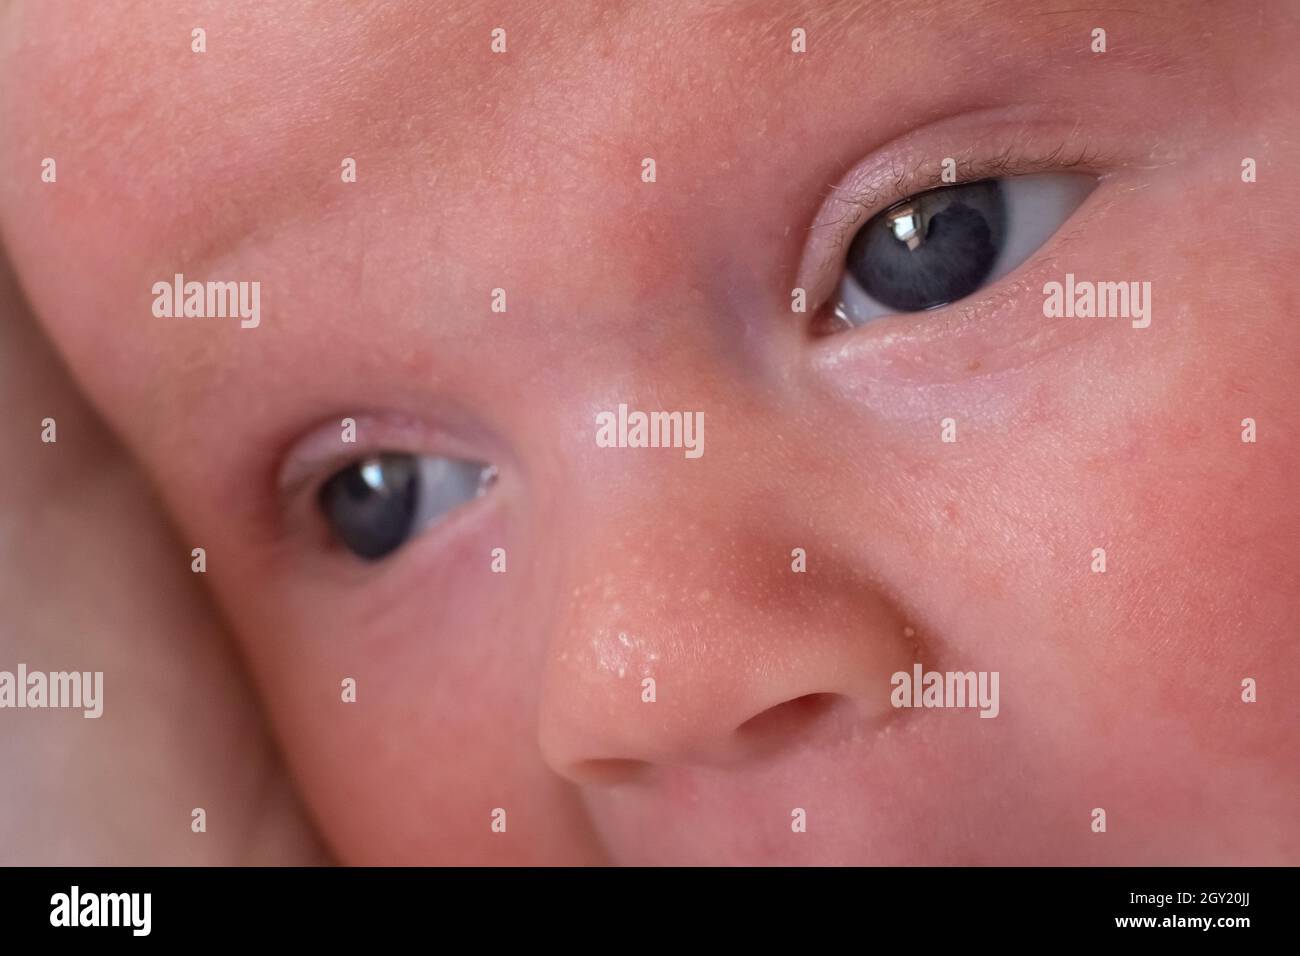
[(1193, 608), (1176, 478), (1216, 525), (1118, 545), (407, 706)]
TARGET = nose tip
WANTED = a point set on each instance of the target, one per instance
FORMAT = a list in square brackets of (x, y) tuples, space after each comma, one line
[(797, 675), (816, 716)]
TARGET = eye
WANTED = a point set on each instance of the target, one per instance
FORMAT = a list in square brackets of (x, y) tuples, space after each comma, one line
[(374, 505), (944, 244)]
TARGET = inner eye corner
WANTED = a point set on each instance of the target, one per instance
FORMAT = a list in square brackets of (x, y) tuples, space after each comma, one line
[(825, 322)]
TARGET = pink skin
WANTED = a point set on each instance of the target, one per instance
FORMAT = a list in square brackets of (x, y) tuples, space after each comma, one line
[(480, 690)]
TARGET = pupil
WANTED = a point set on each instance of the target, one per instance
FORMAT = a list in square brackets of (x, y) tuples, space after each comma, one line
[(931, 249), (371, 505)]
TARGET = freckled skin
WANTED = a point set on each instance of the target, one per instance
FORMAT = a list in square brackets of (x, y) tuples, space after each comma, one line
[(479, 690)]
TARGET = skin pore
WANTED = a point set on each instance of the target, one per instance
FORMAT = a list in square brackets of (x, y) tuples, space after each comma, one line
[(522, 171)]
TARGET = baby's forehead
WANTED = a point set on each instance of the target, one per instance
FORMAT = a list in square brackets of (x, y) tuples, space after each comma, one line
[(216, 118), (188, 126)]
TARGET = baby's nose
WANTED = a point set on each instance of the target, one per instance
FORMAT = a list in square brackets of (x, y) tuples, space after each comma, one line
[(704, 626)]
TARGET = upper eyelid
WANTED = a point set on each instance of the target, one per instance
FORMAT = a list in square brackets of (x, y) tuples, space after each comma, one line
[(927, 174), (322, 451), (874, 196)]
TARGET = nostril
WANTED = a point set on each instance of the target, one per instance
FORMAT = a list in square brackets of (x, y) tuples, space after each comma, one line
[(788, 719), (608, 772)]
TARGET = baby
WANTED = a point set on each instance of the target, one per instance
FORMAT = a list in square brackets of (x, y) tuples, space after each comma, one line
[(653, 433)]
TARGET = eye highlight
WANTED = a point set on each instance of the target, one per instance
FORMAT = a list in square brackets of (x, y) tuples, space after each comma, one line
[(374, 505), (945, 244)]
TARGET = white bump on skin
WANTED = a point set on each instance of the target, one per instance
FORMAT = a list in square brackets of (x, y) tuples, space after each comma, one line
[(622, 653)]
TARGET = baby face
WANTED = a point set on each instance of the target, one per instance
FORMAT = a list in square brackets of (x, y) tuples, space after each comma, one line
[(507, 250)]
